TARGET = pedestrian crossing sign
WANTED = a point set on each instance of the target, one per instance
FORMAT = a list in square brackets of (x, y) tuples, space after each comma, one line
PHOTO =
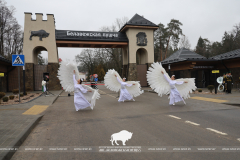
[(18, 60)]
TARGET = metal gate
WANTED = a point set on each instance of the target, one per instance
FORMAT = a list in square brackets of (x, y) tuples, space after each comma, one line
[(141, 74), (38, 76)]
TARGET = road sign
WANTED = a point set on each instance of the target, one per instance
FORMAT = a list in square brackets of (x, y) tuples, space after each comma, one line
[(95, 75), (18, 60), (1, 74), (215, 71), (96, 79)]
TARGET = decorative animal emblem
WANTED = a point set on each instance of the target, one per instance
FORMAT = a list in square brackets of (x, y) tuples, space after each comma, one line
[(121, 136), (141, 39), (41, 34)]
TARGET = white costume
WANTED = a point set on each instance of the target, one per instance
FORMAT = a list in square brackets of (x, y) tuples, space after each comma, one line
[(174, 94), (124, 95), (44, 86), (162, 84), (116, 85), (82, 98), (79, 101)]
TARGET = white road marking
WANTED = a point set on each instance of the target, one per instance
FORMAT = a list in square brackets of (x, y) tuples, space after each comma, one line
[(192, 123), (216, 131), (238, 139), (174, 116)]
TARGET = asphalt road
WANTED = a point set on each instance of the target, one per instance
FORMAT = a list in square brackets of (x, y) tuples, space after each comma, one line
[(200, 126)]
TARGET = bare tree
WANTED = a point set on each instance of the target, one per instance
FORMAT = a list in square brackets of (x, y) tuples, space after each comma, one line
[(121, 22), (184, 42), (11, 35)]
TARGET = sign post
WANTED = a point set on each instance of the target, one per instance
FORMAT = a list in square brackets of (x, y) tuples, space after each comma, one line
[(18, 60), (215, 82)]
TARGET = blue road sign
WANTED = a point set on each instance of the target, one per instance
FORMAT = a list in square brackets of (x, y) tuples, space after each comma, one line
[(96, 79), (18, 60)]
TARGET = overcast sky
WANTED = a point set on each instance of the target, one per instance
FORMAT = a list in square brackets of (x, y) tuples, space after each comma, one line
[(205, 18)]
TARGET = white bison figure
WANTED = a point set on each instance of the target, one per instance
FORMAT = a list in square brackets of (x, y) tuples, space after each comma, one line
[(121, 136)]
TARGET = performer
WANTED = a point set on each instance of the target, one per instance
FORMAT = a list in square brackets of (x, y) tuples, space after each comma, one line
[(124, 95), (161, 83), (224, 82), (114, 82), (79, 100), (174, 94), (229, 82)]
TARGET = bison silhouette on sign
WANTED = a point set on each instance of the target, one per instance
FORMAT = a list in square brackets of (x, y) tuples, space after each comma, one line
[(41, 34), (121, 136)]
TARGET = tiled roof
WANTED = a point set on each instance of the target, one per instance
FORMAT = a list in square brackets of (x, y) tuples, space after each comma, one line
[(4, 59), (138, 20), (183, 54), (228, 55)]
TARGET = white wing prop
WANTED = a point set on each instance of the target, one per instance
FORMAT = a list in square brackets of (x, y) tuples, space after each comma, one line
[(65, 74), (159, 84), (134, 90), (186, 88), (111, 81), (156, 79), (91, 96)]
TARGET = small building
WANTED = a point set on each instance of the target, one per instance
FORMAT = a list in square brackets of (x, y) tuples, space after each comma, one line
[(7, 71), (188, 64)]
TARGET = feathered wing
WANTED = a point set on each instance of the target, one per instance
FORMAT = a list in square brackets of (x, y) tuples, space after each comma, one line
[(186, 88), (111, 81), (65, 75), (91, 97), (134, 90), (156, 79)]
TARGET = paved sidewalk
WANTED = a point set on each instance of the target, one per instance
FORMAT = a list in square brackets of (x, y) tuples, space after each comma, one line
[(16, 126)]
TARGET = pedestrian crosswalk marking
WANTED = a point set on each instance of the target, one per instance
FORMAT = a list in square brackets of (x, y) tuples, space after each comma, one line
[(18, 60), (36, 109), (210, 99)]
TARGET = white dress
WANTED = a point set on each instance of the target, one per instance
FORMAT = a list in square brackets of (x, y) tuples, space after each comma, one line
[(79, 101), (124, 95), (174, 94)]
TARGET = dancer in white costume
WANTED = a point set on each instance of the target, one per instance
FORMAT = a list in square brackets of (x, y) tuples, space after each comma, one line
[(124, 95), (161, 83), (84, 95), (128, 89), (174, 94), (79, 101)]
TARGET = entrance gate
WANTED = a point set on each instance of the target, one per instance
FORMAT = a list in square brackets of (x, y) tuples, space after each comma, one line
[(39, 34), (38, 76), (141, 74)]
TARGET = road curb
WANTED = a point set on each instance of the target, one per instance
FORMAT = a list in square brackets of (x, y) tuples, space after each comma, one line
[(57, 97), (20, 139)]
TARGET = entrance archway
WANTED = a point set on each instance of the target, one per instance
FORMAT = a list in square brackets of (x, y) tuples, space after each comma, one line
[(135, 38), (142, 60), (39, 67)]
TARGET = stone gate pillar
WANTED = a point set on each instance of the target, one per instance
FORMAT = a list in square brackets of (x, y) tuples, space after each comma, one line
[(39, 35), (140, 32)]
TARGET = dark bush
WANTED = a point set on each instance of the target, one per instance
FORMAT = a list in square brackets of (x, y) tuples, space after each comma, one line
[(28, 89), (15, 91), (2, 94), (21, 95), (199, 90), (210, 88), (5, 99), (11, 97)]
